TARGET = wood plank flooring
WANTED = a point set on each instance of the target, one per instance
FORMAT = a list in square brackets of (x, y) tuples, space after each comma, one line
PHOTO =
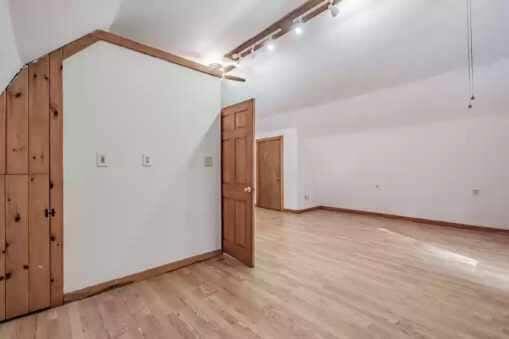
[(319, 275)]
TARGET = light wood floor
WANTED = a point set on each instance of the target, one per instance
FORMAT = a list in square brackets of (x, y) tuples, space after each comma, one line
[(318, 275)]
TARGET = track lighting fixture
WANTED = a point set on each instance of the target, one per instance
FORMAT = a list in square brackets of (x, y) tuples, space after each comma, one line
[(298, 27), (334, 10), (293, 22), (271, 46)]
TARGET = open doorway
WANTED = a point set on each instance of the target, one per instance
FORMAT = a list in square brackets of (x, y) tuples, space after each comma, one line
[(269, 173)]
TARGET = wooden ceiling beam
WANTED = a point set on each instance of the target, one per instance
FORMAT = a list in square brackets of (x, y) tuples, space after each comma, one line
[(307, 11), (99, 35)]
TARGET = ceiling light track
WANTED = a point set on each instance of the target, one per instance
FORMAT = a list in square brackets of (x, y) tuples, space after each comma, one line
[(293, 21)]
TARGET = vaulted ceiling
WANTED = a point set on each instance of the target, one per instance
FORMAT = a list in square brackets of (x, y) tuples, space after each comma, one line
[(372, 44)]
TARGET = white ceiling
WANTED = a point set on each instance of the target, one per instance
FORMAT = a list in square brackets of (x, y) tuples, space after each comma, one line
[(203, 29), (41, 26), (373, 44)]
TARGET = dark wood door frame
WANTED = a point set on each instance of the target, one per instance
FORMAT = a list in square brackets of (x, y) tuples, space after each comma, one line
[(281, 154)]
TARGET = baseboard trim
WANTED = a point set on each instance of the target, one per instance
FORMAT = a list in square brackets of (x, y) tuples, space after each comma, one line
[(302, 210), (416, 220), (153, 272)]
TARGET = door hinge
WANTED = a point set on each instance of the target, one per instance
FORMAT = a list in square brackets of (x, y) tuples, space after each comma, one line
[(49, 212)]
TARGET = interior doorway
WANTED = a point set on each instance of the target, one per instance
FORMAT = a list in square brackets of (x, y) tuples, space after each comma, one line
[(269, 169)]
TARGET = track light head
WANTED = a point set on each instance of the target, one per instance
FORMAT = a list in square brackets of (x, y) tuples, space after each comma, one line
[(270, 45), (217, 66), (298, 27), (334, 10)]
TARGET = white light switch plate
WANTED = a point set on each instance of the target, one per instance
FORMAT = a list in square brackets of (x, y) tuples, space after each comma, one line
[(146, 160), (101, 160), (208, 161)]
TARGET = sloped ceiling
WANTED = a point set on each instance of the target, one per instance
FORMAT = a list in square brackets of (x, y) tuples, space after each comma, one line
[(42, 26), (9, 59), (204, 30), (373, 44)]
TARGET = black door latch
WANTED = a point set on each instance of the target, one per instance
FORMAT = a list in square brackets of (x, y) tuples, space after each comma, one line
[(49, 212)]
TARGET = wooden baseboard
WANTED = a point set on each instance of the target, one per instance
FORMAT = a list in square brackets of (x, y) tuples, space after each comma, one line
[(153, 272), (302, 210), (413, 219)]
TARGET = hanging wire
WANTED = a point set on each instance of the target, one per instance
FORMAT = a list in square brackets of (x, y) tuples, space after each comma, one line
[(470, 52)]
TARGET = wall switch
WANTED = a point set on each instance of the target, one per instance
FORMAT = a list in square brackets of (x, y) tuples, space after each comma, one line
[(306, 196), (476, 192), (208, 161), (101, 160), (146, 160)]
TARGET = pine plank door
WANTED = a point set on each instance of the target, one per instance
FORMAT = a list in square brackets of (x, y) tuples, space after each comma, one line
[(237, 152)]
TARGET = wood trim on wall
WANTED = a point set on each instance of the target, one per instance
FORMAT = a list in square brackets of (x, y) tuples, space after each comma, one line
[(302, 210), (115, 39), (478, 228), (281, 160), (150, 273)]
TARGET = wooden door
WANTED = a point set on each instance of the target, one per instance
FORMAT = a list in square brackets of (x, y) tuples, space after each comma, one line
[(25, 239), (237, 151), (269, 179)]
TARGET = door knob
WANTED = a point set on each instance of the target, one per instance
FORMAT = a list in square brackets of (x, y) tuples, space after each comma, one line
[(247, 189)]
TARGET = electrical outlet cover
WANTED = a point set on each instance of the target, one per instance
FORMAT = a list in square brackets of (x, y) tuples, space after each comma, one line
[(101, 160), (146, 160)]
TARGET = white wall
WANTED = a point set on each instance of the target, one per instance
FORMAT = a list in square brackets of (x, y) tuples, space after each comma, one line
[(9, 60), (417, 142), (125, 218)]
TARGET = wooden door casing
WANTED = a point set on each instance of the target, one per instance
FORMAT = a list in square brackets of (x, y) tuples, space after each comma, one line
[(269, 173), (237, 151)]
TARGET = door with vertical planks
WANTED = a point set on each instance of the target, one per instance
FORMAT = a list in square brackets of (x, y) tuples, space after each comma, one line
[(237, 152), (25, 259)]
